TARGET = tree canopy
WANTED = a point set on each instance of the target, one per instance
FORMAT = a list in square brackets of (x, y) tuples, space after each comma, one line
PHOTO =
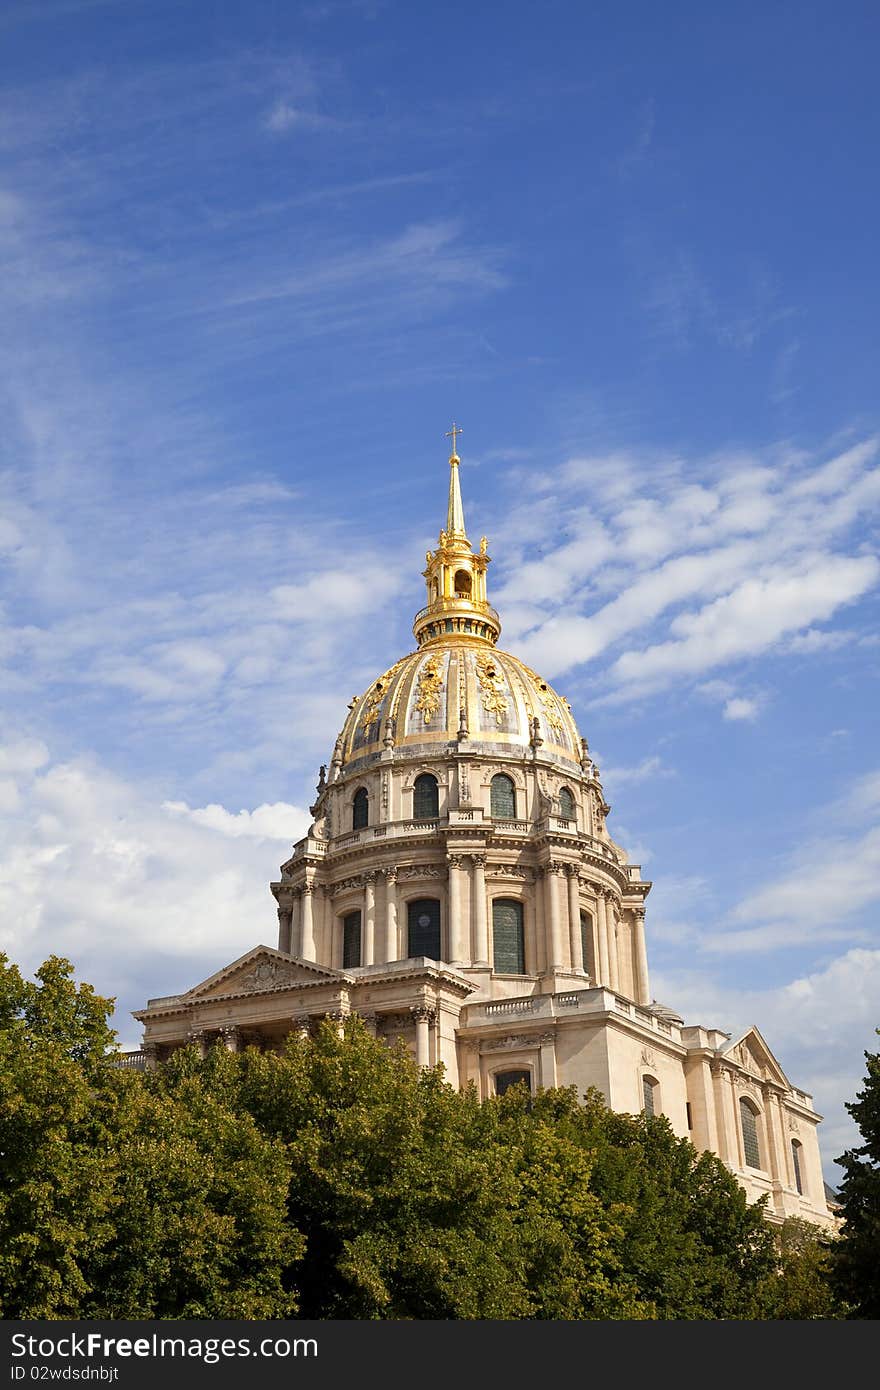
[(337, 1180), (856, 1255)]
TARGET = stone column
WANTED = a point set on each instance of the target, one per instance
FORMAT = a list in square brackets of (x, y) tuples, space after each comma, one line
[(368, 951), (775, 1161), (423, 1017), (552, 874), (786, 1167), (733, 1110), (480, 911), (337, 1017), (640, 958), (231, 1035), (308, 922), (602, 933), (390, 952), (548, 1077), (196, 1038), (151, 1056), (728, 1148), (301, 1026), (284, 915), (456, 934), (296, 926), (574, 919), (611, 924), (369, 1022)]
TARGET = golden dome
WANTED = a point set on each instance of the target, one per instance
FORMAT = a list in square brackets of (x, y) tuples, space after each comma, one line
[(457, 689)]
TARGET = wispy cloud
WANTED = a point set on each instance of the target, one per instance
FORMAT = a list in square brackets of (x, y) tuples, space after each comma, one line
[(721, 560)]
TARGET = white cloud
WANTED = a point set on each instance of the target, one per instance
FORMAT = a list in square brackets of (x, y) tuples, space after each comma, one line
[(92, 868), (818, 1025), (740, 708), (831, 880), (751, 618), (278, 821), (649, 767)]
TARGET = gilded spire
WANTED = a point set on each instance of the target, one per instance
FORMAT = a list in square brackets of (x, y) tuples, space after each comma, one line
[(455, 576), (455, 510)]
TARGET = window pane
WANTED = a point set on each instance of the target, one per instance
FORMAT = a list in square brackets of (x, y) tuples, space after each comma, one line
[(505, 1079), (503, 798), (796, 1159), (647, 1095), (750, 1134), (507, 936), (566, 804), (423, 928), (360, 809), (426, 798), (586, 939), (351, 940)]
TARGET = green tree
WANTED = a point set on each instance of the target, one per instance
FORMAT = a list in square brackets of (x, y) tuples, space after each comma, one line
[(57, 1177), (856, 1254), (801, 1287), (115, 1200), (687, 1244)]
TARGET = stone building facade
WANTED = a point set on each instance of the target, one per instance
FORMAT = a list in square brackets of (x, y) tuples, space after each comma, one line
[(459, 888)]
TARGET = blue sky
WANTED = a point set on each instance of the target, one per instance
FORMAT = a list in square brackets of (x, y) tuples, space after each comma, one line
[(255, 259)]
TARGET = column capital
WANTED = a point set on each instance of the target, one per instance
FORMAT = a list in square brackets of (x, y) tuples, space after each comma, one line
[(455, 861), (369, 876), (478, 861), (390, 873), (422, 1013)]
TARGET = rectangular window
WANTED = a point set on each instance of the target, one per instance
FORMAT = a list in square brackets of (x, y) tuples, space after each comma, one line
[(507, 937), (687, 1106), (351, 940)]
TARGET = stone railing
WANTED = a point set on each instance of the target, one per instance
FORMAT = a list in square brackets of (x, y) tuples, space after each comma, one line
[(131, 1061)]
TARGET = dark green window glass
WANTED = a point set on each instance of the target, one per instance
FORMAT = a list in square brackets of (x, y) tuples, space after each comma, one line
[(423, 928), (351, 940), (426, 798), (507, 937), (796, 1160), (749, 1124), (586, 940), (360, 809), (648, 1095), (503, 798), (505, 1079), (566, 804)]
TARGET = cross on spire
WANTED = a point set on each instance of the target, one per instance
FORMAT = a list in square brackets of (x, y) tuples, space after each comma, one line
[(456, 430)]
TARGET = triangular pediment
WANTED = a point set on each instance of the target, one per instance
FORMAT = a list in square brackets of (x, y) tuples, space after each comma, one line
[(262, 968), (751, 1052)]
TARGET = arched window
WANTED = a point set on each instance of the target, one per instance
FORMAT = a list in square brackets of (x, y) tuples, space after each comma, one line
[(566, 804), (423, 928), (748, 1118), (508, 944), (587, 942), (505, 1079), (426, 797), (649, 1095), (360, 809), (796, 1147), (351, 940), (503, 797), (462, 584)]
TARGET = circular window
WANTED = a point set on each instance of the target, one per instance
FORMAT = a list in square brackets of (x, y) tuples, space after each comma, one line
[(424, 920)]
